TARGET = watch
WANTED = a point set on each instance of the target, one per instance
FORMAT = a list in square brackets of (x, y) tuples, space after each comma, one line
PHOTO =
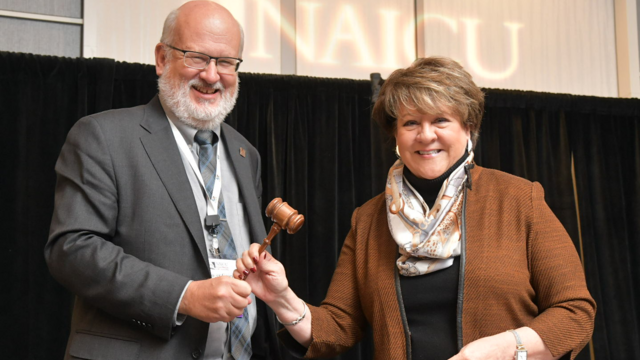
[(521, 352)]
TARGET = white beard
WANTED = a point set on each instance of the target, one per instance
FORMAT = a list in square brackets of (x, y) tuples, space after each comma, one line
[(174, 92)]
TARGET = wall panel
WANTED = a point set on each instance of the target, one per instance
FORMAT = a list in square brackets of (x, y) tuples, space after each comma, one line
[(351, 39), (544, 45), (64, 8), (39, 37)]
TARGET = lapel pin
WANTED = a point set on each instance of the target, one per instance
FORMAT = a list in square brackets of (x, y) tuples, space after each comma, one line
[(243, 153)]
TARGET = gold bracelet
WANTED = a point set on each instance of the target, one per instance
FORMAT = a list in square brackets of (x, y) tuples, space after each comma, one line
[(299, 319)]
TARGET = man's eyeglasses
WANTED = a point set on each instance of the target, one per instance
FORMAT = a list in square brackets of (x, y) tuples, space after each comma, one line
[(200, 61)]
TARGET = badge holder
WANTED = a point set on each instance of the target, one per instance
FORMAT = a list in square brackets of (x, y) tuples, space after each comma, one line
[(211, 223)]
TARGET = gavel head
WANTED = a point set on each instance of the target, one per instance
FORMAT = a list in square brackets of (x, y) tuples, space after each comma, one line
[(284, 215)]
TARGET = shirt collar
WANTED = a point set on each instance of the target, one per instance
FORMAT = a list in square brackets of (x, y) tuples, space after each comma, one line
[(187, 132)]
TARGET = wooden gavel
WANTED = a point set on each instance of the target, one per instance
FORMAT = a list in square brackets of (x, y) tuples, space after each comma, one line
[(283, 217)]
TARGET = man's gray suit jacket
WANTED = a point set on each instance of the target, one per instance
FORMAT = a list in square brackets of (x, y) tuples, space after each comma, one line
[(126, 236)]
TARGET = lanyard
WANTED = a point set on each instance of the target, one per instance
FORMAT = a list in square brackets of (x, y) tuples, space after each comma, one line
[(212, 203)]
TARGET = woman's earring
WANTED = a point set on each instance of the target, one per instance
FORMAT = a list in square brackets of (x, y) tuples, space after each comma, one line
[(398, 153), (469, 145)]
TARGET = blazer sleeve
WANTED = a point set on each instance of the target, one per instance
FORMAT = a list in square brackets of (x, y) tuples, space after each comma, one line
[(566, 309), (339, 322), (81, 253)]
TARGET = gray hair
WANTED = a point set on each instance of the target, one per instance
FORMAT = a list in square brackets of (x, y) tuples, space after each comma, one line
[(168, 32)]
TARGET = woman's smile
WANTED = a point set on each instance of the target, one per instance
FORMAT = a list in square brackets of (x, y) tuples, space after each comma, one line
[(429, 144)]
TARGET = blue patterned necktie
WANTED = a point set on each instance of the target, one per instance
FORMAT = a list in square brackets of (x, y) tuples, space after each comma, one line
[(240, 338)]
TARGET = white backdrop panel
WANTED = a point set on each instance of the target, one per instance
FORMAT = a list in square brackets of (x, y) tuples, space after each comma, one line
[(351, 39), (262, 26), (129, 30), (565, 46), (124, 30)]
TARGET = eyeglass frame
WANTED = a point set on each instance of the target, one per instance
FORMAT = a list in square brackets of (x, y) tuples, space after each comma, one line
[(184, 59)]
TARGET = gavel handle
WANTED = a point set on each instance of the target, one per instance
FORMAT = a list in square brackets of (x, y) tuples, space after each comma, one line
[(275, 229)]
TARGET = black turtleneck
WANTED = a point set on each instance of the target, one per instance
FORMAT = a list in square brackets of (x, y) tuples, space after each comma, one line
[(429, 188), (430, 301)]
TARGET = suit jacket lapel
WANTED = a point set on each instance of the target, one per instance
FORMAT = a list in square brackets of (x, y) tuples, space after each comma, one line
[(163, 152), (242, 167)]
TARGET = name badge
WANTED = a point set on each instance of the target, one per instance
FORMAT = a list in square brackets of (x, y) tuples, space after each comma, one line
[(222, 267)]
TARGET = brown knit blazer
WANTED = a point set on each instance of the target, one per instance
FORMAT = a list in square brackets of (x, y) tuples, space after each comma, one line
[(521, 270)]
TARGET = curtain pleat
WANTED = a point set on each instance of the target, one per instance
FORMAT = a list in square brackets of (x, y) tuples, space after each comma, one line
[(607, 163), (39, 101), (525, 140), (322, 155), (312, 134)]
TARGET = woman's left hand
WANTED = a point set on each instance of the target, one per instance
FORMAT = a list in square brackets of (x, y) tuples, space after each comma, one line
[(497, 347), (502, 346)]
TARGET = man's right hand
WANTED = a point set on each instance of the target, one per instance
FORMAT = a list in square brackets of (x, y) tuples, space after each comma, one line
[(219, 299)]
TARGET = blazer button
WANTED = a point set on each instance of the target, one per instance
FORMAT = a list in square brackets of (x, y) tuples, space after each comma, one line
[(196, 353)]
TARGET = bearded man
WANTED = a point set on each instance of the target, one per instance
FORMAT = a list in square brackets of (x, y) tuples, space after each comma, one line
[(153, 204)]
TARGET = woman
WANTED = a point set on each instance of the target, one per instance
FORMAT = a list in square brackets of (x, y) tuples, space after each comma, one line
[(452, 261)]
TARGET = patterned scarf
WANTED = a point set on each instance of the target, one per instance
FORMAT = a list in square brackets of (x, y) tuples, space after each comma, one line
[(428, 239)]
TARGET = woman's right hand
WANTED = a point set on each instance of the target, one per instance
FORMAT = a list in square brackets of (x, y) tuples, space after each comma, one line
[(268, 282), (263, 273)]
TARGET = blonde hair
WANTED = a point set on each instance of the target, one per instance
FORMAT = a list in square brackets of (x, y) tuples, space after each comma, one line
[(428, 86)]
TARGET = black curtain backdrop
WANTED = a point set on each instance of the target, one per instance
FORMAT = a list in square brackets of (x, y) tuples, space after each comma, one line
[(323, 155)]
